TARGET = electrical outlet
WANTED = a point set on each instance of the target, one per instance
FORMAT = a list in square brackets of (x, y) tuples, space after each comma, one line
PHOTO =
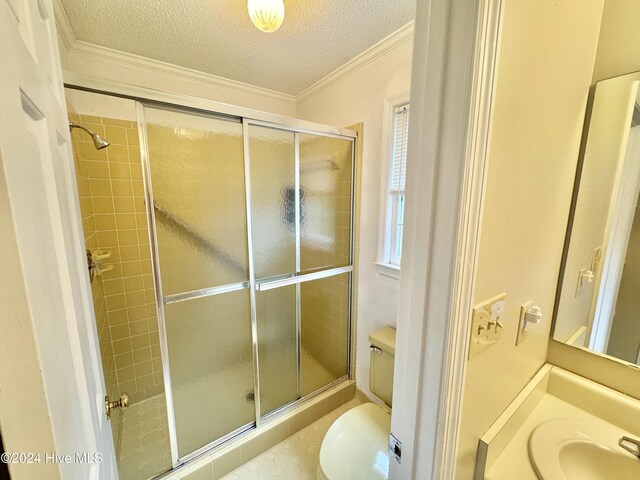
[(486, 326), (529, 313)]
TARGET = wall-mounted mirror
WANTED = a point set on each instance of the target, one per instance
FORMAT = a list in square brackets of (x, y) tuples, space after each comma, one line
[(598, 306)]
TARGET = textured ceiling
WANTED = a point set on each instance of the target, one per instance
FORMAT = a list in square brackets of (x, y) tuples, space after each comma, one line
[(217, 36)]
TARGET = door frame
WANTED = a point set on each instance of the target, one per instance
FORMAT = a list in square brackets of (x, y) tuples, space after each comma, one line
[(455, 53)]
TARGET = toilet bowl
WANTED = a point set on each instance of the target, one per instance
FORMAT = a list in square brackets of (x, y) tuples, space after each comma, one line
[(355, 446)]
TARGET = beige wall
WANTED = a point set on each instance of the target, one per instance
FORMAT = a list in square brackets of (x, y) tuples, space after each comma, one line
[(360, 97), (545, 62), (619, 45)]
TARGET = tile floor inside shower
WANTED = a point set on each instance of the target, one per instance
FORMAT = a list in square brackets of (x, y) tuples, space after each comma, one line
[(143, 448)]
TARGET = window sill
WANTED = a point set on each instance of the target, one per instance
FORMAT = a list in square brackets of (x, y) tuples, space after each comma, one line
[(388, 270)]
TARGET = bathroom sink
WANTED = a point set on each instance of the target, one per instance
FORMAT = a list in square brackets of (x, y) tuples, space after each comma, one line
[(571, 449)]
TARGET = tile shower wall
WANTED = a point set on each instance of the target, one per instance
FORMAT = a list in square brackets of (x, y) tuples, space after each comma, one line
[(97, 286), (114, 220)]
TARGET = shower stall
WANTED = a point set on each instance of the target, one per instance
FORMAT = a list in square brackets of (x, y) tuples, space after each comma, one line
[(250, 242)]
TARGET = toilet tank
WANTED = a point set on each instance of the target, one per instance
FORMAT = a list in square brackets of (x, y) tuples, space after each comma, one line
[(383, 350)]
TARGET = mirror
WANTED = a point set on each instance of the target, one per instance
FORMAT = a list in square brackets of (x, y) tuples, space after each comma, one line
[(598, 306)]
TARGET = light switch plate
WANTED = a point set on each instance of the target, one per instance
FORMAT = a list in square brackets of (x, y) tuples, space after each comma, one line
[(486, 326)]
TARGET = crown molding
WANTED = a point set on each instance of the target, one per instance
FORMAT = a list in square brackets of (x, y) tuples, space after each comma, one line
[(156, 66), (397, 38), (86, 49)]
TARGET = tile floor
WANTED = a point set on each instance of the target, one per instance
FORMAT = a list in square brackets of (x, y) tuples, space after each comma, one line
[(294, 458)]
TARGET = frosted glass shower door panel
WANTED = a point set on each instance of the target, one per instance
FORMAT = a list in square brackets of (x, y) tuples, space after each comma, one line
[(277, 347), (326, 168), (273, 214), (210, 360), (197, 175), (325, 315)]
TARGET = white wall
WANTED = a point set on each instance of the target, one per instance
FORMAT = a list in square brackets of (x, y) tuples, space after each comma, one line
[(360, 97), (545, 62)]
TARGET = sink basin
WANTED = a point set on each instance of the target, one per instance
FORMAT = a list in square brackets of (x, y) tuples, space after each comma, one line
[(571, 449)]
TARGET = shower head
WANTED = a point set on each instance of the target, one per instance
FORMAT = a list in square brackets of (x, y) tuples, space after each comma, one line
[(98, 141)]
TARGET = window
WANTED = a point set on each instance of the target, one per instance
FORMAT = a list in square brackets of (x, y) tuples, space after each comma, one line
[(396, 129), (396, 183)]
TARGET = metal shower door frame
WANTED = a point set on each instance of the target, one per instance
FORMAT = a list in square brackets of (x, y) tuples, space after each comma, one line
[(252, 285)]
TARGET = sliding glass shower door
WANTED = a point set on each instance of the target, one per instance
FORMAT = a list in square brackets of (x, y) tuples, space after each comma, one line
[(252, 232), (197, 193), (300, 203)]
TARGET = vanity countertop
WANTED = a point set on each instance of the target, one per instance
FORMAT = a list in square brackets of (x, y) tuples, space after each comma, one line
[(552, 394), (515, 457)]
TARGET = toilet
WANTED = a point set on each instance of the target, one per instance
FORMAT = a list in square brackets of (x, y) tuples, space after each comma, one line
[(355, 446)]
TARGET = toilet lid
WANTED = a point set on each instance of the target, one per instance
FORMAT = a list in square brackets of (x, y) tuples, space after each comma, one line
[(355, 447)]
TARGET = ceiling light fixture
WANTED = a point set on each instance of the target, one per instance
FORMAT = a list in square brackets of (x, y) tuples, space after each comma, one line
[(266, 15)]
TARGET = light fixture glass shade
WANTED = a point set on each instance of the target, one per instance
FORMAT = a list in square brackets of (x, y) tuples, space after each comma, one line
[(266, 15)]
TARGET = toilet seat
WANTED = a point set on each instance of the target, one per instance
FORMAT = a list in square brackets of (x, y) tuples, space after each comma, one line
[(355, 446)]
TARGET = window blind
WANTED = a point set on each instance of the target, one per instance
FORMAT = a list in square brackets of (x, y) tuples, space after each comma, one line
[(400, 136)]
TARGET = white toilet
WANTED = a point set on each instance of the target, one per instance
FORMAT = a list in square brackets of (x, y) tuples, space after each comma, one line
[(355, 446)]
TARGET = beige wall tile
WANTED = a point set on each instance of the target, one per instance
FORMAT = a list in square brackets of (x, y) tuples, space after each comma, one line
[(97, 169), (132, 136), (140, 341), (124, 360), (116, 135), (123, 205), (90, 119), (118, 153), (105, 221), (102, 205), (122, 188), (117, 122)]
